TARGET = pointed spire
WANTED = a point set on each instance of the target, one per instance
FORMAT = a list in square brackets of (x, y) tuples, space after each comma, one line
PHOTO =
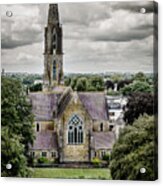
[(53, 17)]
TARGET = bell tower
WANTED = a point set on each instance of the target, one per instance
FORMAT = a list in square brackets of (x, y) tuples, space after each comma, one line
[(53, 54)]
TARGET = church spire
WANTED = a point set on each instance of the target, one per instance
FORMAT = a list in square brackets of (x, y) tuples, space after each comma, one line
[(53, 17), (53, 55)]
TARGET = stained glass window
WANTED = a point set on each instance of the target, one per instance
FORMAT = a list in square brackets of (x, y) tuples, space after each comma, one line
[(75, 130)]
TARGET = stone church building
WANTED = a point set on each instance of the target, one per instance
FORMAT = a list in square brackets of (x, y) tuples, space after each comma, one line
[(69, 126)]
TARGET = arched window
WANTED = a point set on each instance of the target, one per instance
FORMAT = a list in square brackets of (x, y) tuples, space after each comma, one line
[(101, 127), (75, 130), (54, 70), (37, 127)]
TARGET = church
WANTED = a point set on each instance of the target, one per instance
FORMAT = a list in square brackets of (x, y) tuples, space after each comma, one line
[(69, 126)]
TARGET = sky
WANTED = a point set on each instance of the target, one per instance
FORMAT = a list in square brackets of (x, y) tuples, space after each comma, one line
[(98, 37)]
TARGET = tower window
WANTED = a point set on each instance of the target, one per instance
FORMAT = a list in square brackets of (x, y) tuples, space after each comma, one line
[(101, 127), (75, 130), (37, 127), (54, 70)]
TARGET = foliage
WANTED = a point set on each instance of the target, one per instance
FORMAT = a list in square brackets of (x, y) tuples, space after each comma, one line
[(135, 148), (13, 153), (136, 86), (36, 87), (116, 77), (109, 85), (85, 83), (139, 103), (96, 82), (122, 83), (140, 76), (81, 84), (16, 124), (67, 81), (106, 157), (96, 162), (42, 160), (113, 93), (73, 83)]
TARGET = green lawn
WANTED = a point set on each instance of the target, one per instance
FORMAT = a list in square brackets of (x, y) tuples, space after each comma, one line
[(76, 173)]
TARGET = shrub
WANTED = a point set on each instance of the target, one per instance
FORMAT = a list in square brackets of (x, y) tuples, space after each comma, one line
[(106, 157), (42, 160), (96, 162)]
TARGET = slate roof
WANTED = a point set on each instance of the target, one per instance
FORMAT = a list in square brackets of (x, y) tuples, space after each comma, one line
[(95, 104), (44, 105), (103, 140), (45, 140)]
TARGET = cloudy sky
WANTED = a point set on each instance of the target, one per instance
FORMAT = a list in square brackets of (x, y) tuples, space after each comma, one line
[(98, 37)]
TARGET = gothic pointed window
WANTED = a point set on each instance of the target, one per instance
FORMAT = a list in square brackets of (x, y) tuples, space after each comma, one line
[(75, 130), (54, 70)]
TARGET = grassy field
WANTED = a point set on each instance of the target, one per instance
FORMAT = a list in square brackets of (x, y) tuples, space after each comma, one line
[(76, 173)]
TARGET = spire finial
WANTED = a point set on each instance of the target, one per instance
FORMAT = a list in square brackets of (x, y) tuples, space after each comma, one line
[(53, 16)]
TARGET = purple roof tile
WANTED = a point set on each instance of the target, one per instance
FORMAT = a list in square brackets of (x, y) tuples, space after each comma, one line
[(103, 140), (95, 104), (45, 140), (43, 105)]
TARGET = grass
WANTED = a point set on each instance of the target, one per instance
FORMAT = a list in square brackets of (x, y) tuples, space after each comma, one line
[(69, 173)]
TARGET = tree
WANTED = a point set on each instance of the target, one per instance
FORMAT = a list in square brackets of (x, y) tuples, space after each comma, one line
[(139, 103), (12, 152), (67, 81), (81, 84), (122, 83), (109, 84), (116, 77), (136, 148), (140, 76), (17, 120), (36, 87), (136, 86), (73, 83), (96, 82)]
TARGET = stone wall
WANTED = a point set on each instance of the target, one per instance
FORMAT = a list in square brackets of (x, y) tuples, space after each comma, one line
[(38, 154), (97, 125), (75, 153), (45, 125)]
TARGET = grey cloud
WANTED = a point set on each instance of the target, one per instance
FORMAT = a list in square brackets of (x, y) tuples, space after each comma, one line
[(134, 6), (122, 36), (83, 13), (24, 38), (21, 29)]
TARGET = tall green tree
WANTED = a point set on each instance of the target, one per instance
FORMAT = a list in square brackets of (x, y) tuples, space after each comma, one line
[(16, 122), (35, 88), (140, 76), (138, 104), (81, 84), (136, 148), (137, 86)]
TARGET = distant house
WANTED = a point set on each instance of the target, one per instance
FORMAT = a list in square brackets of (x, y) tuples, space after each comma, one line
[(116, 112)]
